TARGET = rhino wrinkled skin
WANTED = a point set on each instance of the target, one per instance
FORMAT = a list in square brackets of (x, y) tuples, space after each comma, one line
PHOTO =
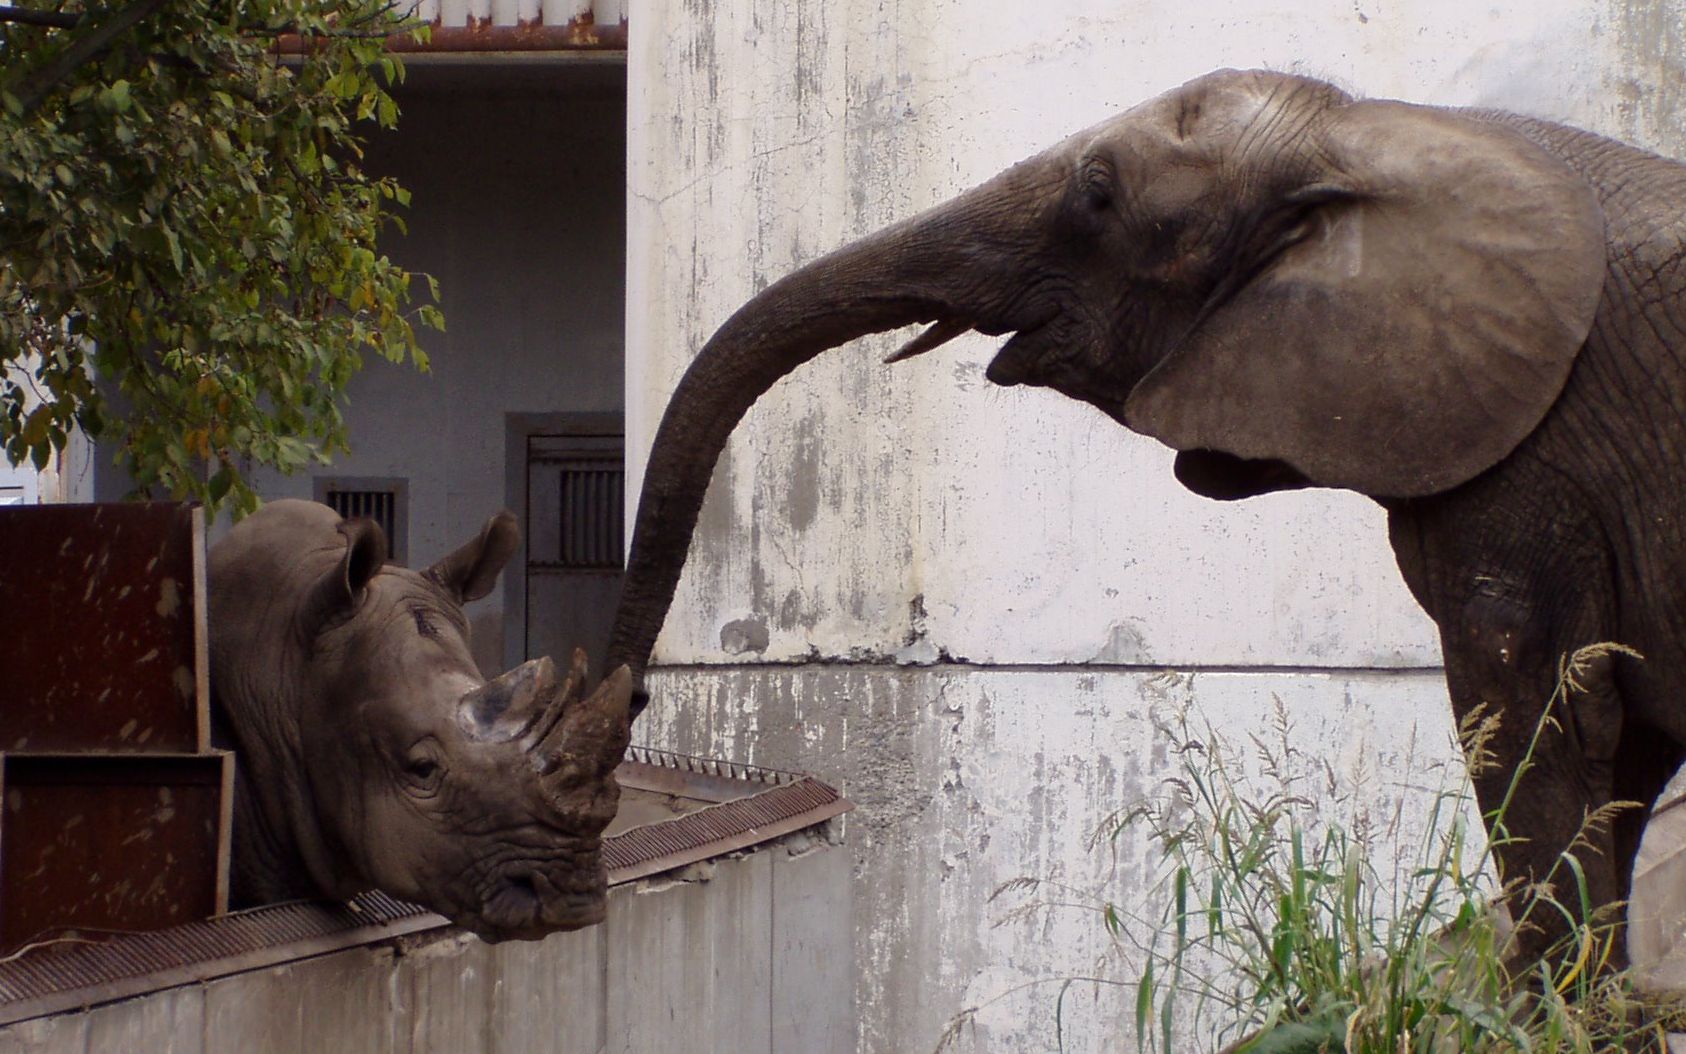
[(372, 754)]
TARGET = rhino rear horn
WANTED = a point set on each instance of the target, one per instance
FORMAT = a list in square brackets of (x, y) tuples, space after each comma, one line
[(471, 571), (511, 704)]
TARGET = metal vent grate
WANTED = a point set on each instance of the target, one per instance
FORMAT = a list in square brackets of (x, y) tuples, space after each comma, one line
[(378, 505), (593, 515), (381, 500)]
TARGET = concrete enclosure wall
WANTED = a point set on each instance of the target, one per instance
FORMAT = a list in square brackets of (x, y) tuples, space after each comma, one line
[(731, 956), (967, 604)]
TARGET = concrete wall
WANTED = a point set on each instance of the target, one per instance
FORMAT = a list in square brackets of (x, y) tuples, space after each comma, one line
[(730, 957), (517, 176), (972, 601)]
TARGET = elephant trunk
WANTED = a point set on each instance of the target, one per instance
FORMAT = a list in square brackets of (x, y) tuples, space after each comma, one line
[(942, 266)]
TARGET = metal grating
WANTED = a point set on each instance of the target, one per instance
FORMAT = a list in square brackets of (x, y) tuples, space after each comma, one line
[(722, 828), (715, 767), (593, 515), (381, 499), (378, 505), (76, 974), (764, 804)]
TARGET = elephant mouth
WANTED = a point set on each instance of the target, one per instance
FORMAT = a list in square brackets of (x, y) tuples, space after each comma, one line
[(1017, 361)]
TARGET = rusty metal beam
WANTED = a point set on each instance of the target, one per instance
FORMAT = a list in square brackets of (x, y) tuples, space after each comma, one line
[(481, 37)]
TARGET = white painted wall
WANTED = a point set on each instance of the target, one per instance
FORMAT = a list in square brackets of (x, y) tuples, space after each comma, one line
[(914, 514), (69, 473)]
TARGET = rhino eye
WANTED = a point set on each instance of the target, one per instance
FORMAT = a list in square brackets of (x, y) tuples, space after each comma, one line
[(423, 769)]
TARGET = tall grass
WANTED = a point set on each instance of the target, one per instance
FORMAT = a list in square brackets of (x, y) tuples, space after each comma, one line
[(1281, 931)]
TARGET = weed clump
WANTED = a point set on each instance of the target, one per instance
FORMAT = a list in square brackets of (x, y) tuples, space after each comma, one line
[(1277, 929)]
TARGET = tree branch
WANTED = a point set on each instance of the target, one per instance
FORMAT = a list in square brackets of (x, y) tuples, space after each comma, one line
[(29, 16), (85, 49)]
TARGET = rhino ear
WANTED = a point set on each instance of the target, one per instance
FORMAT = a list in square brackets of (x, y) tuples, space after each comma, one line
[(472, 571), (365, 555), (342, 588), (1449, 273)]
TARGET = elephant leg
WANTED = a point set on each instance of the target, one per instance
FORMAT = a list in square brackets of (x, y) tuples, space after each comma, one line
[(1540, 785), (1646, 760), (1591, 756), (1513, 600)]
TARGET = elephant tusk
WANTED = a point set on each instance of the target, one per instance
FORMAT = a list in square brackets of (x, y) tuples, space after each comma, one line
[(941, 332)]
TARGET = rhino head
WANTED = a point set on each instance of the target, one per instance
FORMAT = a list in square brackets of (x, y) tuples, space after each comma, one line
[(372, 754)]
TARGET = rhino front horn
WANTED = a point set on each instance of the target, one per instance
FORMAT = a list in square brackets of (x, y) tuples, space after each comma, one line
[(592, 735)]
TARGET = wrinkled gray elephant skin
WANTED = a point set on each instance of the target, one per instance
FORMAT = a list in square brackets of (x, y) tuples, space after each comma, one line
[(371, 754), (1476, 318)]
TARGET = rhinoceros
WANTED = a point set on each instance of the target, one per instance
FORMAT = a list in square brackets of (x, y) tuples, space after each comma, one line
[(372, 754)]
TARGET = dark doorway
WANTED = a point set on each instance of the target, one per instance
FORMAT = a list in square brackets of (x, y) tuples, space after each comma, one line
[(572, 491)]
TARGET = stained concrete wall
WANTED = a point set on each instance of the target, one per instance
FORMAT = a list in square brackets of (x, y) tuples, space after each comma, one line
[(729, 957), (967, 604)]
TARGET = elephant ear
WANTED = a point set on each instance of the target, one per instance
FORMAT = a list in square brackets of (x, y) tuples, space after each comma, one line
[(1418, 334)]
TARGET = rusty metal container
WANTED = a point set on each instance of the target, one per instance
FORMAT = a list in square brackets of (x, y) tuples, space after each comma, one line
[(102, 629), (114, 810), (112, 841)]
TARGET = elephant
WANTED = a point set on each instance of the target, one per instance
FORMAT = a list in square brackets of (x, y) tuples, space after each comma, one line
[(369, 751), (1477, 319)]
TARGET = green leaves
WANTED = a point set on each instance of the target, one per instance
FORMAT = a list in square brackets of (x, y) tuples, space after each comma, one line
[(188, 219), (114, 97)]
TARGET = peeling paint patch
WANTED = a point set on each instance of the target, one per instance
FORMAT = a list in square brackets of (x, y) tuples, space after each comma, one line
[(918, 649), (1124, 644), (744, 636), (1650, 39), (802, 499), (169, 598)]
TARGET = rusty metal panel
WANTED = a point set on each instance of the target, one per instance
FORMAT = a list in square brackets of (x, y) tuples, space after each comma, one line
[(456, 31), (102, 631), (112, 841)]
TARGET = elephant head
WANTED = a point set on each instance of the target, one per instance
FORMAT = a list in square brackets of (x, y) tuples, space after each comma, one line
[(1289, 286), (372, 754)]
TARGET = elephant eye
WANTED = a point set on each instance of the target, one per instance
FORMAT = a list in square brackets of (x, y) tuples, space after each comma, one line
[(1096, 185)]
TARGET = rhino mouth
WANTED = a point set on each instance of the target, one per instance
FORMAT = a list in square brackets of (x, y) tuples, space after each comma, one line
[(529, 902)]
